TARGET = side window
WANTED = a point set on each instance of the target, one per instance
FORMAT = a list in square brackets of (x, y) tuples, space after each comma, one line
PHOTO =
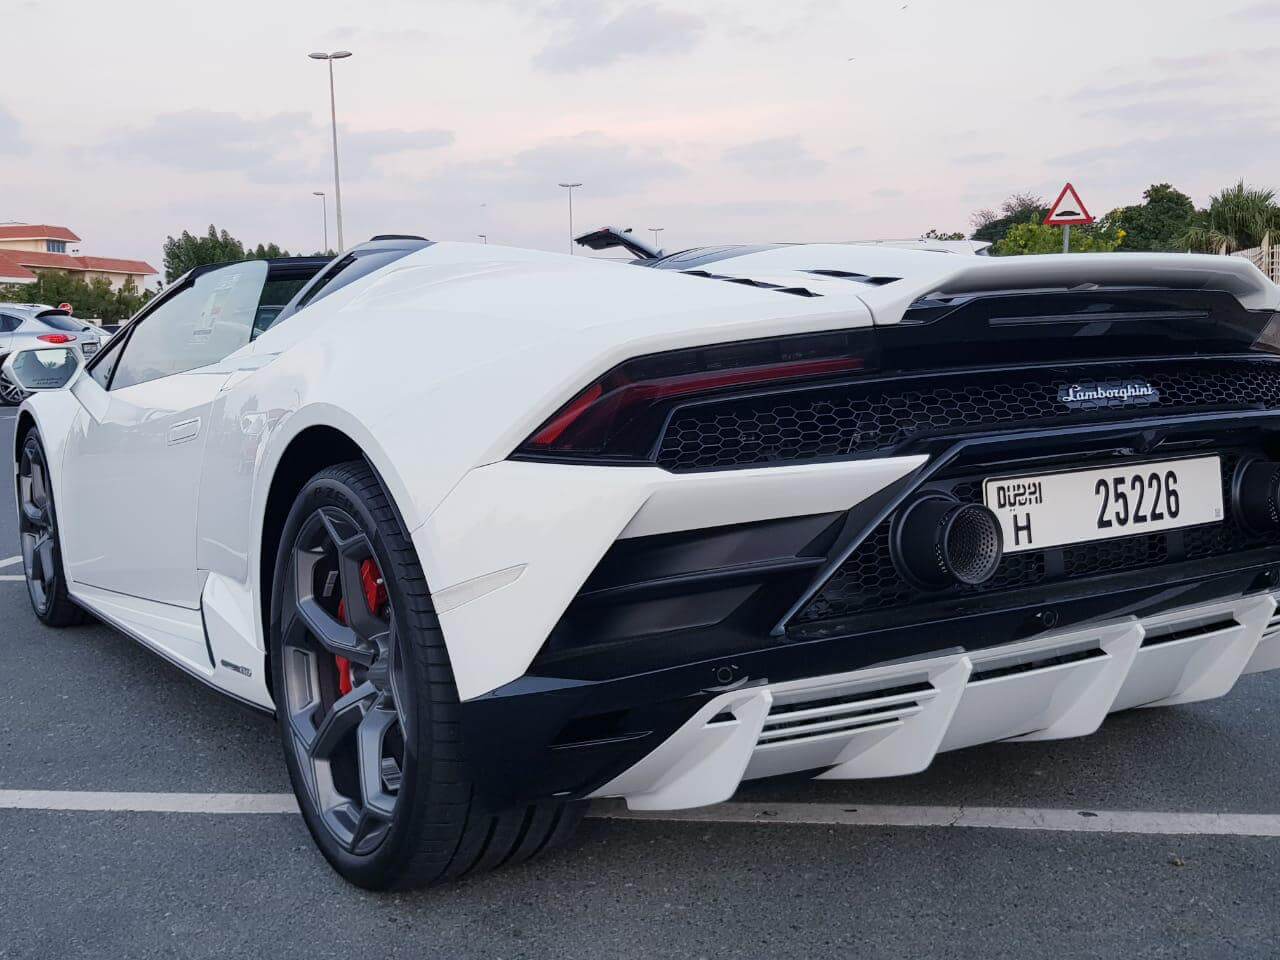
[(9, 324), (194, 328)]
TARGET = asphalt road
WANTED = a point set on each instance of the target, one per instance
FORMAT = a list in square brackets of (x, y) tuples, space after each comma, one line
[(87, 709)]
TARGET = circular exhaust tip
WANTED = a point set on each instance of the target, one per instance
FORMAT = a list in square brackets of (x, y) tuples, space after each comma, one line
[(1255, 494), (939, 541)]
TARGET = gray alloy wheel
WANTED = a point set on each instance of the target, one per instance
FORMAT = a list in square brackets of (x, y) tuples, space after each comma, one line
[(344, 697), (38, 531), (367, 706), (10, 393)]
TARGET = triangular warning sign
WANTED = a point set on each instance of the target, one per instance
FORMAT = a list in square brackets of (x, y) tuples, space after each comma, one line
[(1068, 210)]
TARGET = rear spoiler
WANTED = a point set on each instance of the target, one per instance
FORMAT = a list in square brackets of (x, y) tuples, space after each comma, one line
[(985, 276), (609, 238), (1233, 275)]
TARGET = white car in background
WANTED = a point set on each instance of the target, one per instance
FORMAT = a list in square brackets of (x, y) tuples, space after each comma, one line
[(35, 325), (496, 531)]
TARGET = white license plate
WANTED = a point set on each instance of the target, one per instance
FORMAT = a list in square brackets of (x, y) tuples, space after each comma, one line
[(1055, 509), (89, 349)]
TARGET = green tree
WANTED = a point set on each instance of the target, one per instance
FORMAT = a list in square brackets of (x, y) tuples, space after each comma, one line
[(1237, 218), (992, 226), (1160, 223), (933, 234), (217, 246), (268, 252), (187, 251), (1031, 237), (94, 299)]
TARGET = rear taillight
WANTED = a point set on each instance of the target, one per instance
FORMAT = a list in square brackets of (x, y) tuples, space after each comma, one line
[(56, 338), (619, 417)]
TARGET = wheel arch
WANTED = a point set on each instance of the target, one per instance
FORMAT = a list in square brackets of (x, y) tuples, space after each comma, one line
[(26, 423), (308, 452)]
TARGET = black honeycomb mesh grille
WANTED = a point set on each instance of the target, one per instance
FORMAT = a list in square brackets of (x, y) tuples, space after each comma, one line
[(868, 581), (851, 419)]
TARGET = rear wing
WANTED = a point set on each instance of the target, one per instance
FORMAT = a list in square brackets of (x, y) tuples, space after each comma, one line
[(984, 276), (609, 238)]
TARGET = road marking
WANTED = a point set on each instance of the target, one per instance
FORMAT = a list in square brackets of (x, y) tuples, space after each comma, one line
[(12, 578), (996, 818), (85, 800), (11, 561), (811, 814)]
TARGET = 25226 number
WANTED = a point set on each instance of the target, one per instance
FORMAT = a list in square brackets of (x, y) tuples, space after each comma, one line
[(1136, 499)]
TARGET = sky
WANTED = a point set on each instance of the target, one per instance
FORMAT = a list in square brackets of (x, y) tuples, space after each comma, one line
[(717, 120)]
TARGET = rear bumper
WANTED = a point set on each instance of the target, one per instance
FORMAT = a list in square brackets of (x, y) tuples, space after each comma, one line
[(687, 736), (632, 632), (893, 720), (511, 546)]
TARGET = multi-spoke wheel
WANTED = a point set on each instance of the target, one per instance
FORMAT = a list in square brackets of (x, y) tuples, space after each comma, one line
[(343, 676), (367, 707), (10, 393), (38, 530)]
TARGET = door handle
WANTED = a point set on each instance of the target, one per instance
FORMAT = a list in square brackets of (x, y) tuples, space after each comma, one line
[(184, 431)]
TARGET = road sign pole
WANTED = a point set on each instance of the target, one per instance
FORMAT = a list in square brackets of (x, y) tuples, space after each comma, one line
[(1066, 239)]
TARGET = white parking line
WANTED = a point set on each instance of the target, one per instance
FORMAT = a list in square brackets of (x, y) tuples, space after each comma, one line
[(9, 562), (86, 800), (813, 814), (997, 818), (12, 578)]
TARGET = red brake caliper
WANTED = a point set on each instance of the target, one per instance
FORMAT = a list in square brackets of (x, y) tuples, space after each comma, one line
[(375, 598)]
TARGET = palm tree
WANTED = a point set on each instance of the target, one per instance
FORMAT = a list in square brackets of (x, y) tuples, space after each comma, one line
[(1238, 218)]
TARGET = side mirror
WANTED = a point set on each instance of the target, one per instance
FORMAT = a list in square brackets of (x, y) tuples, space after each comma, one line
[(43, 369)]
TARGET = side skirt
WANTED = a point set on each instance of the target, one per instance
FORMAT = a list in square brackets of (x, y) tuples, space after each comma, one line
[(175, 633)]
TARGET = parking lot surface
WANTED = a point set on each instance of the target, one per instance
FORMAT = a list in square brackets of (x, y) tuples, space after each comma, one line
[(86, 709)]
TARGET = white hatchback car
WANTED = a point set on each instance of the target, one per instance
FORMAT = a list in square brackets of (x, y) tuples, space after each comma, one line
[(36, 324)]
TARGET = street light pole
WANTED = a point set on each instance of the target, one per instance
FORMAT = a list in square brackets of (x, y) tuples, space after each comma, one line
[(655, 231), (324, 207), (569, 187), (484, 237), (333, 119)]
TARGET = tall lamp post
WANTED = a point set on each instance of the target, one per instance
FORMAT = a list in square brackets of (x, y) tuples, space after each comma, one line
[(484, 237), (569, 187), (324, 208), (655, 231), (333, 118)]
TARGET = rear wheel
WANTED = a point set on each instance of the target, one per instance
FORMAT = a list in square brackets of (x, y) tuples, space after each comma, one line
[(38, 531), (366, 702)]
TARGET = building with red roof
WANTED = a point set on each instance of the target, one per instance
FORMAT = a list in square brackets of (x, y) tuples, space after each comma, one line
[(28, 247)]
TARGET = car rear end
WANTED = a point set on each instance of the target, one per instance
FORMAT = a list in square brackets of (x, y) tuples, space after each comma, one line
[(59, 327), (1001, 513)]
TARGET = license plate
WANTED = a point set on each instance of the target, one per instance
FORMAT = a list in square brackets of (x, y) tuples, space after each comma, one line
[(89, 349), (1055, 509)]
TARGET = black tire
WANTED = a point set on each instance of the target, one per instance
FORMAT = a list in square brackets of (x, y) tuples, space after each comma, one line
[(403, 815), (38, 532)]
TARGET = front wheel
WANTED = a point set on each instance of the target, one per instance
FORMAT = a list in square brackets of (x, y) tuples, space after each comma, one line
[(38, 532), (366, 702)]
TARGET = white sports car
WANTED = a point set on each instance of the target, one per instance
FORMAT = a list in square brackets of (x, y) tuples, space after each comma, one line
[(495, 531)]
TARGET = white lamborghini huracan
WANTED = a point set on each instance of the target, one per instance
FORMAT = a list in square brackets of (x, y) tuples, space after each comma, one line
[(495, 531)]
